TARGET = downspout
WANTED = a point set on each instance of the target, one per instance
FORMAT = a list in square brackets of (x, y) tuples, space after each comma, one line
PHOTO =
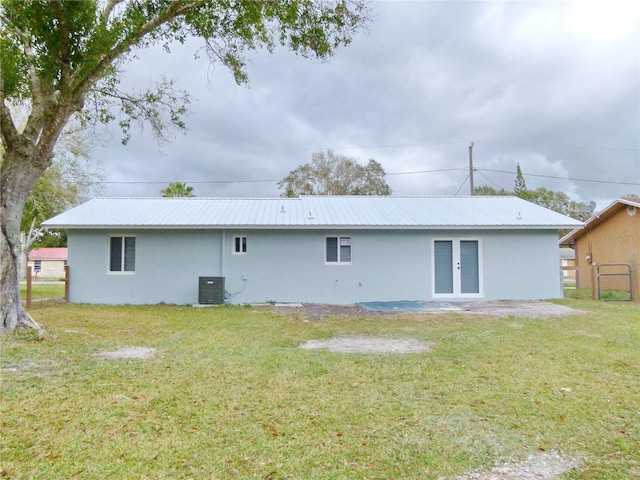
[(223, 246)]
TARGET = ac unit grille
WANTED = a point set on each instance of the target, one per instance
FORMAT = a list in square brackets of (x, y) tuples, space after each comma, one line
[(211, 290)]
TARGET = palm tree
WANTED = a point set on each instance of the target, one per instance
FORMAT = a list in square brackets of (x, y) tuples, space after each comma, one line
[(177, 189)]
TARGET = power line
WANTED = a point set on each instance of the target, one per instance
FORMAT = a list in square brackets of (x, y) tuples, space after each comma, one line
[(488, 179), (568, 147), (417, 172), (565, 178)]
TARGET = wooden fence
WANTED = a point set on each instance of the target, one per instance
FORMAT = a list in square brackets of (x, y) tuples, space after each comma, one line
[(29, 294)]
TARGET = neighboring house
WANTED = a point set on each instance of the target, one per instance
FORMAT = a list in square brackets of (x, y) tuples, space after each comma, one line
[(568, 263), (48, 262), (323, 249), (609, 242)]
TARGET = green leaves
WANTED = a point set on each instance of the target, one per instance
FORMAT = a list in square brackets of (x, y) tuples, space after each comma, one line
[(177, 189), (332, 174)]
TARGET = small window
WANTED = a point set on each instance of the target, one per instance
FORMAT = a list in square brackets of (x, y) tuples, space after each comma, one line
[(122, 254), (239, 245), (338, 250), (37, 265)]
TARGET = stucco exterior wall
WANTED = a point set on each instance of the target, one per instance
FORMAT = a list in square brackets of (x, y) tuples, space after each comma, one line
[(616, 240), (167, 266), (289, 266)]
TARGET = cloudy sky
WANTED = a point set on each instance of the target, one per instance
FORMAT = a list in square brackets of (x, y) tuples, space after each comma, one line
[(553, 86)]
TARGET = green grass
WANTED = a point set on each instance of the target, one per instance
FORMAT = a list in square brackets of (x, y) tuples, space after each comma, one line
[(41, 291), (605, 295), (231, 395)]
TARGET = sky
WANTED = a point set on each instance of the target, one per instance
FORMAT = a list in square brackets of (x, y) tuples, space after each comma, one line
[(551, 86)]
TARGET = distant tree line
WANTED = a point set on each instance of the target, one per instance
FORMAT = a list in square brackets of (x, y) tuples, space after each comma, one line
[(556, 201)]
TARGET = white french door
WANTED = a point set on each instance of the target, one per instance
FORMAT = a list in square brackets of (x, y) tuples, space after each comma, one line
[(457, 267)]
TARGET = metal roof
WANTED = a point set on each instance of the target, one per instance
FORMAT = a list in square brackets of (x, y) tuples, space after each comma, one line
[(48, 253), (312, 212)]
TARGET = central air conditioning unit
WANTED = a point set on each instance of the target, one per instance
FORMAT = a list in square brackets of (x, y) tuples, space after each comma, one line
[(211, 290)]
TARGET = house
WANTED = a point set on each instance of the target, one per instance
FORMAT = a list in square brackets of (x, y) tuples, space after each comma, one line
[(316, 249), (568, 263), (609, 244), (48, 262)]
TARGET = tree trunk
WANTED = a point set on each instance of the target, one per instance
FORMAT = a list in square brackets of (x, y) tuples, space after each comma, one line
[(18, 174)]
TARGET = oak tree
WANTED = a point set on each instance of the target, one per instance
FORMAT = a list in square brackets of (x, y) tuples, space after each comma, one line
[(63, 58), (329, 173)]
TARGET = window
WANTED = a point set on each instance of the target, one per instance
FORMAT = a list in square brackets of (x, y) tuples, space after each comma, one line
[(37, 265), (338, 250), (239, 245), (122, 254)]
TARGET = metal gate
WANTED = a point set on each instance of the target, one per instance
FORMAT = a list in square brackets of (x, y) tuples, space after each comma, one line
[(615, 270)]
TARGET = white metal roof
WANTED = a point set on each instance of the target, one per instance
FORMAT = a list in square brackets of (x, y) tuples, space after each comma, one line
[(312, 212)]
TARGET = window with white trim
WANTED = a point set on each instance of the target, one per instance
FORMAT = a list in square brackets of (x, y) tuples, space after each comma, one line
[(122, 254), (239, 245), (337, 250)]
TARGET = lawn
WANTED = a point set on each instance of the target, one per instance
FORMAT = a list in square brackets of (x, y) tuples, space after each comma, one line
[(44, 291), (230, 394)]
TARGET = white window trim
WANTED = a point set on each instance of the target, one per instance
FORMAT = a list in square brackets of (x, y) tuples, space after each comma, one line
[(120, 272), (233, 245), (456, 259), (339, 262)]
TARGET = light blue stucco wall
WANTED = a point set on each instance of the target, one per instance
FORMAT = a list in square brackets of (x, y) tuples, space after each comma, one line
[(167, 266), (289, 266)]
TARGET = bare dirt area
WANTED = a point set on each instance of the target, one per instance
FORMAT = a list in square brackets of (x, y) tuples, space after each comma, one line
[(140, 353), (520, 309), (540, 466), (397, 346)]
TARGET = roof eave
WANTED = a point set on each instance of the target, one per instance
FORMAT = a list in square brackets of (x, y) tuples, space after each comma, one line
[(308, 227)]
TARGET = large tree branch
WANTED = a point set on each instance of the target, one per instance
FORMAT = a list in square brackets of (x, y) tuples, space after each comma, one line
[(108, 9), (10, 136), (84, 81), (64, 53)]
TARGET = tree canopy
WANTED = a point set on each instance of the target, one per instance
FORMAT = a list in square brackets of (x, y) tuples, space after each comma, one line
[(556, 201), (63, 58), (329, 173), (177, 189)]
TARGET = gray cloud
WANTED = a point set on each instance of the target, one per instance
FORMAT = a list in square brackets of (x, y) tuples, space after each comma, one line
[(552, 86)]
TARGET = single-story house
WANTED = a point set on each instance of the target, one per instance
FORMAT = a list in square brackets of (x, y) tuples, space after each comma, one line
[(568, 263), (315, 249), (48, 261), (609, 243)]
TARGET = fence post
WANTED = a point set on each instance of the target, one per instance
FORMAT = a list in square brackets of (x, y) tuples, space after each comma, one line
[(28, 300), (66, 284), (594, 282)]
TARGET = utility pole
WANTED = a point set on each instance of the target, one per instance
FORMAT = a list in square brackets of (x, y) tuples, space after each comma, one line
[(471, 167)]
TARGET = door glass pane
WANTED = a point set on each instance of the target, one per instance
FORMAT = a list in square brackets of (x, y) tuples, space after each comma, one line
[(469, 278), (443, 264)]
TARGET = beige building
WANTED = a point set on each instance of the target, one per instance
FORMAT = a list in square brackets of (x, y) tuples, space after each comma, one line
[(607, 248), (48, 262)]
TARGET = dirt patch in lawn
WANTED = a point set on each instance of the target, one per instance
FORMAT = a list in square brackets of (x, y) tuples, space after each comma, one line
[(540, 466), (521, 309), (365, 344), (128, 353)]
